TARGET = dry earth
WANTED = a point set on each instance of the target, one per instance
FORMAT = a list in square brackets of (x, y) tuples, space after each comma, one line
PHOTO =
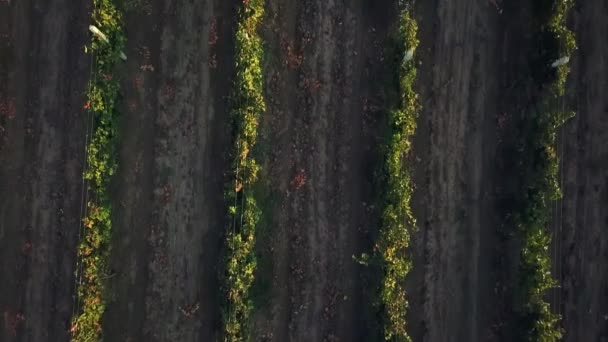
[(42, 81), (451, 287), (169, 190), (583, 214), (318, 148)]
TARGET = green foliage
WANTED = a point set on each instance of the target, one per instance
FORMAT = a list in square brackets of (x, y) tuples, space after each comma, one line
[(243, 210), (397, 221), (539, 166), (538, 158), (565, 38), (240, 268), (93, 249)]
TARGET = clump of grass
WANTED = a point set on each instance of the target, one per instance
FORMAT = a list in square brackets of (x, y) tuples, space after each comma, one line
[(93, 249), (243, 210), (539, 171)]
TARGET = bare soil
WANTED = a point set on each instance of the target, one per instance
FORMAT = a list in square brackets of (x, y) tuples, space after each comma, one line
[(452, 285), (581, 220), (169, 209), (324, 59), (42, 84)]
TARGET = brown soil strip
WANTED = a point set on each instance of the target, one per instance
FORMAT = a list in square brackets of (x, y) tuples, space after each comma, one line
[(169, 217), (584, 211), (41, 162)]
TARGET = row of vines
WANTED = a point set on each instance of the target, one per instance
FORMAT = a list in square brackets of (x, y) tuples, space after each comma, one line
[(243, 211), (397, 222), (539, 173), (538, 160), (101, 163)]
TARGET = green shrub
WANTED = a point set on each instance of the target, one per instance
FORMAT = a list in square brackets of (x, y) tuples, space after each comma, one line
[(539, 163), (244, 214), (94, 248), (539, 173), (565, 37), (397, 221)]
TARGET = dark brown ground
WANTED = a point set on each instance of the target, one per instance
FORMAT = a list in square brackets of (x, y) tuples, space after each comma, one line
[(324, 59), (42, 84), (584, 210), (169, 189), (452, 286), (327, 70)]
